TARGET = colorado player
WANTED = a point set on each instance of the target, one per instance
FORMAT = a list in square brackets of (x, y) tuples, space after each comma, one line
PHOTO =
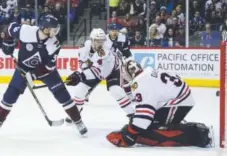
[(162, 102), (120, 46), (37, 56), (97, 63)]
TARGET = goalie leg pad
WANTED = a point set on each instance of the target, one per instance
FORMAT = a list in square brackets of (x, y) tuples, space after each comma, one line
[(190, 134)]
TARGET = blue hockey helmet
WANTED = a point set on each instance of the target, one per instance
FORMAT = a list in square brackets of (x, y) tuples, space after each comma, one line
[(49, 22), (113, 26)]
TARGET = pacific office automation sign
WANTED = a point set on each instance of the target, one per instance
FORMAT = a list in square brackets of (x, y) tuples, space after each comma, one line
[(67, 62), (187, 63)]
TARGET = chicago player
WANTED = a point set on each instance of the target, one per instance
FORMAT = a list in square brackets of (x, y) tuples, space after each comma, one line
[(162, 102), (37, 58), (121, 47), (97, 63)]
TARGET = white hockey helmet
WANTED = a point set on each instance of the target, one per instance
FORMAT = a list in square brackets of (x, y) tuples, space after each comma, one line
[(97, 37), (131, 69)]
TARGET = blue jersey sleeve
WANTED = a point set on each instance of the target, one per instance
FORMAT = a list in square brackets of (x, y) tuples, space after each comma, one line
[(14, 30)]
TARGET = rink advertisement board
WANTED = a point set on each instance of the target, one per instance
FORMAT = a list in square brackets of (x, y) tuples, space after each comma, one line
[(199, 67)]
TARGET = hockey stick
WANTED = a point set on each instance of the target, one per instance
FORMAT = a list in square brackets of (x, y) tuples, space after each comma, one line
[(41, 86), (30, 85)]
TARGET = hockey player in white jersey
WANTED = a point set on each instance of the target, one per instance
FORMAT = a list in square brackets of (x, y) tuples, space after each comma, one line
[(162, 102), (97, 63)]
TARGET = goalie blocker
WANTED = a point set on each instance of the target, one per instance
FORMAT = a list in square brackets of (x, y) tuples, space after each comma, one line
[(162, 102)]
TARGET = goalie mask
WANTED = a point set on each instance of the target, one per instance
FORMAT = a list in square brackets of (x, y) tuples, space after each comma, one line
[(98, 37), (131, 69)]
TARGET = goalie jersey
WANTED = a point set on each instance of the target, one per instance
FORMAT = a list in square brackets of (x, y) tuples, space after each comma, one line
[(154, 90), (121, 43), (102, 62), (34, 52)]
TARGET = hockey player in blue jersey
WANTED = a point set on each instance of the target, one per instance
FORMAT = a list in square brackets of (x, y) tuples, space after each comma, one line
[(120, 46), (37, 57)]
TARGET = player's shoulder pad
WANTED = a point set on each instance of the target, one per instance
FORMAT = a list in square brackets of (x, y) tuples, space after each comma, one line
[(121, 38), (52, 45), (28, 33), (83, 51)]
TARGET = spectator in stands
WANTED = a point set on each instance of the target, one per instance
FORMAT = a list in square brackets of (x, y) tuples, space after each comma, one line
[(210, 38), (160, 26), (215, 18), (180, 37), (197, 23), (45, 12), (170, 21), (60, 13), (180, 14), (124, 8), (138, 39), (224, 31), (209, 8), (141, 26), (114, 18), (153, 11), (28, 13), (113, 5), (169, 38), (138, 8), (224, 10), (2, 36), (28, 21), (194, 6), (5, 13), (163, 14), (128, 22), (155, 37), (16, 16)]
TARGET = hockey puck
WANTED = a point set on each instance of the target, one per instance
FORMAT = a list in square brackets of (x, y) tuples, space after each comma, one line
[(218, 93)]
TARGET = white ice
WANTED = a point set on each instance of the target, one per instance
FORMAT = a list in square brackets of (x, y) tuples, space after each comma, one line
[(26, 133)]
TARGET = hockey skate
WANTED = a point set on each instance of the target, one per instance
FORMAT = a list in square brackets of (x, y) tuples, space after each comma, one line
[(81, 127)]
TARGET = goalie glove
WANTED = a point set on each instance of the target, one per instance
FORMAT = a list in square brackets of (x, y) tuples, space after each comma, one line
[(126, 137)]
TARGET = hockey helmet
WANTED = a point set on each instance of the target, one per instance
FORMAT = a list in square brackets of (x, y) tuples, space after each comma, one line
[(113, 26), (97, 37), (50, 22), (131, 69), (113, 30)]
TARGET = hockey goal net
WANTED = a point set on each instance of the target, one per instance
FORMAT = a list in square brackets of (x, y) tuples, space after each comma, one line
[(223, 95)]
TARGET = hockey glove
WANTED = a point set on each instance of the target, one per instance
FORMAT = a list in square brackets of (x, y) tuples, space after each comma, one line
[(39, 72), (126, 137), (74, 79), (8, 47)]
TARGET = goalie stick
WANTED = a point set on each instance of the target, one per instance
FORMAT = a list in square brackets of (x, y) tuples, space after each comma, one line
[(30, 87)]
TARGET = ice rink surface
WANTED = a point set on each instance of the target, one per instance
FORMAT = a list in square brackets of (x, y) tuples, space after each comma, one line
[(26, 133)]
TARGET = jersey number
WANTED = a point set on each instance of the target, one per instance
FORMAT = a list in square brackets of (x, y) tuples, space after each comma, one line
[(168, 78)]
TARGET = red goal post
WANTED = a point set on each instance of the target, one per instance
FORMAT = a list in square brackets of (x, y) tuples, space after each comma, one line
[(223, 94)]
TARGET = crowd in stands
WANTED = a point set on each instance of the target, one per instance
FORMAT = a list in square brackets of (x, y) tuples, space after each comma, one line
[(162, 22), (23, 11)]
